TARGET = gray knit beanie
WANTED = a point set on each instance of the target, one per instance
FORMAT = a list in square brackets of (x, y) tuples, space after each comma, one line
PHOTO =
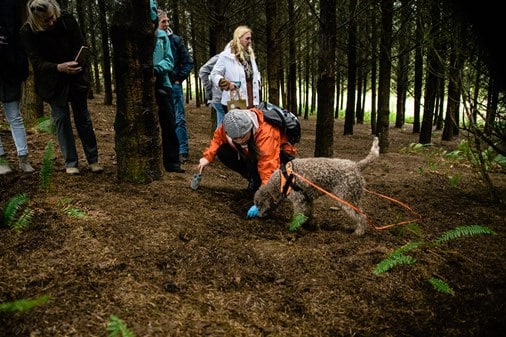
[(237, 123)]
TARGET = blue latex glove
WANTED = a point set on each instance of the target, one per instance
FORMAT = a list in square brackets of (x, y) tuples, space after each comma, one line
[(252, 212)]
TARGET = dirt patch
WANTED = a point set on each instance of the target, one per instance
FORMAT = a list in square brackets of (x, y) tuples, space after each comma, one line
[(170, 261)]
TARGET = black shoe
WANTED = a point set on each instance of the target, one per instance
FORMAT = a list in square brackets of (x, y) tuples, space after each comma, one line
[(174, 168), (184, 158)]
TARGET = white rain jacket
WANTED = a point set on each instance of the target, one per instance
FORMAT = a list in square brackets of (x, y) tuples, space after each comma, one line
[(229, 68)]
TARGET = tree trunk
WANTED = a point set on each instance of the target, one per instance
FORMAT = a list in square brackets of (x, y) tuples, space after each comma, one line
[(418, 79), (385, 68), (136, 125), (374, 69), (273, 54), (452, 109), (324, 142), (349, 116), (432, 80), (292, 61), (402, 66), (106, 59)]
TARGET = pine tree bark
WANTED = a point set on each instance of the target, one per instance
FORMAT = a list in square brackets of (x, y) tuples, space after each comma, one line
[(137, 135), (324, 142), (385, 69)]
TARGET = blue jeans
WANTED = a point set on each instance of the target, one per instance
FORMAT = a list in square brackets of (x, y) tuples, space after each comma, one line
[(170, 143), (220, 112), (15, 120), (84, 126), (181, 129)]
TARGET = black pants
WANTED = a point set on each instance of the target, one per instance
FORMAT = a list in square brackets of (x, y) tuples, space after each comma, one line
[(166, 115), (245, 166)]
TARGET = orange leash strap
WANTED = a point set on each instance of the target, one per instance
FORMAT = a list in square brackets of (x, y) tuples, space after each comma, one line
[(358, 210)]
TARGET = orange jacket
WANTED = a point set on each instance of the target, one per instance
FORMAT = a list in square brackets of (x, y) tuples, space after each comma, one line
[(269, 140)]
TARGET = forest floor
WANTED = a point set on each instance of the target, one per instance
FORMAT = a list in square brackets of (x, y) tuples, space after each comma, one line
[(170, 261)]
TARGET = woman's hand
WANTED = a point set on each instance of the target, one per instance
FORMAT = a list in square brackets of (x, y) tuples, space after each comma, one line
[(203, 162), (71, 68), (224, 84)]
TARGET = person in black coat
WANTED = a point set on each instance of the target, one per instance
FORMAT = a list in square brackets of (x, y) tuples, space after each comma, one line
[(183, 64), (13, 71), (52, 40)]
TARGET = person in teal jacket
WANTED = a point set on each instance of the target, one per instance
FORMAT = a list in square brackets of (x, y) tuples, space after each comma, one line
[(163, 63)]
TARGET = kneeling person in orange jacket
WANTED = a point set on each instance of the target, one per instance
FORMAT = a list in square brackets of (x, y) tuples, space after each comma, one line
[(249, 145)]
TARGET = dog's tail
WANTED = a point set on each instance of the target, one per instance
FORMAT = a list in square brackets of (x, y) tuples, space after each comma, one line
[(373, 154)]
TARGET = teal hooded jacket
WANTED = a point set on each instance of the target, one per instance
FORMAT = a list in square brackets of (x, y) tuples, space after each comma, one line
[(163, 62)]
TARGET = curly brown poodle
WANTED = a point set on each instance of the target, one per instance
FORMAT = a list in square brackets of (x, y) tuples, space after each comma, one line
[(341, 177)]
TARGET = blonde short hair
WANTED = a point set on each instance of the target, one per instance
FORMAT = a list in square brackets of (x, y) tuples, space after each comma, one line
[(35, 8)]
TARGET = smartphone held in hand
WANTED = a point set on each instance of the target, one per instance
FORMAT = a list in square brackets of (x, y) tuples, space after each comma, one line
[(82, 55)]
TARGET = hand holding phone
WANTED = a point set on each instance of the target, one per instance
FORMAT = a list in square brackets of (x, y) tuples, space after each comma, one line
[(82, 55)]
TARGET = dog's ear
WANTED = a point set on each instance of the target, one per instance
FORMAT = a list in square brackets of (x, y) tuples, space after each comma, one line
[(263, 201)]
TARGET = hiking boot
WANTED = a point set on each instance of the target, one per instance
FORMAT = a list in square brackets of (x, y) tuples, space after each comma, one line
[(174, 167), (4, 166), (184, 158), (72, 171), (24, 165), (95, 168)]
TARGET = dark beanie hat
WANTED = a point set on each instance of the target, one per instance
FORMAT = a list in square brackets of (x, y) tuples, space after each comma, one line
[(237, 123)]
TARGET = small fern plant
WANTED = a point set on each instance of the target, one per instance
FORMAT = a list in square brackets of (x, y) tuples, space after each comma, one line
[(23, 305), (116, 328), (45, 124), (464, 231), (66, 204), (399, 257), (297, 221), (47, 167), (11, 209)]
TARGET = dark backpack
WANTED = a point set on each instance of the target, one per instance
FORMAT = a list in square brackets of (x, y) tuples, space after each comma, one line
[(286, 121)]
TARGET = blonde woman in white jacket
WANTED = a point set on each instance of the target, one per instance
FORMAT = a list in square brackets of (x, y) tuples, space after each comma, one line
[(236, 68)]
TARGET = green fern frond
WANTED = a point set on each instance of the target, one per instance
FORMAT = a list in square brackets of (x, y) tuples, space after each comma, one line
[(407, 247), (23, 305), (297, 221), (46, 170), (24, 220), (441, 286), (11, 208), (117, 328), (74, 212), (64, 201), (393, 260), (414, 228), (66, 205), (501, 160), (463, 231), (45, 124)]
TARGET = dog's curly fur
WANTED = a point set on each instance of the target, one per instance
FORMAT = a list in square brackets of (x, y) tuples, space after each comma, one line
[(341, 177)]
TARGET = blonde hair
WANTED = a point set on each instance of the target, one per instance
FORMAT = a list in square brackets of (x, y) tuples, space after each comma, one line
[(35, 9), (237, 48)]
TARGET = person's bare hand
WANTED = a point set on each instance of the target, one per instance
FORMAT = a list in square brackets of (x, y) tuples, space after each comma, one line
[(71, 68), (203, 162), (3, 40)]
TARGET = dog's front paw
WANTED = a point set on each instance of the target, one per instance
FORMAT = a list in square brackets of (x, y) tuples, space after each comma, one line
[(359, 231)]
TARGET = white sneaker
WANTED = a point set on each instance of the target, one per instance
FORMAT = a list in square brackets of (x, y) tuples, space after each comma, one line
[(24, 165), (4, 166), (72, 171), (96, 168)]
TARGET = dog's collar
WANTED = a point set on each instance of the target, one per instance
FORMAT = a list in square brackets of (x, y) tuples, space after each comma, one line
[(287, 180)]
